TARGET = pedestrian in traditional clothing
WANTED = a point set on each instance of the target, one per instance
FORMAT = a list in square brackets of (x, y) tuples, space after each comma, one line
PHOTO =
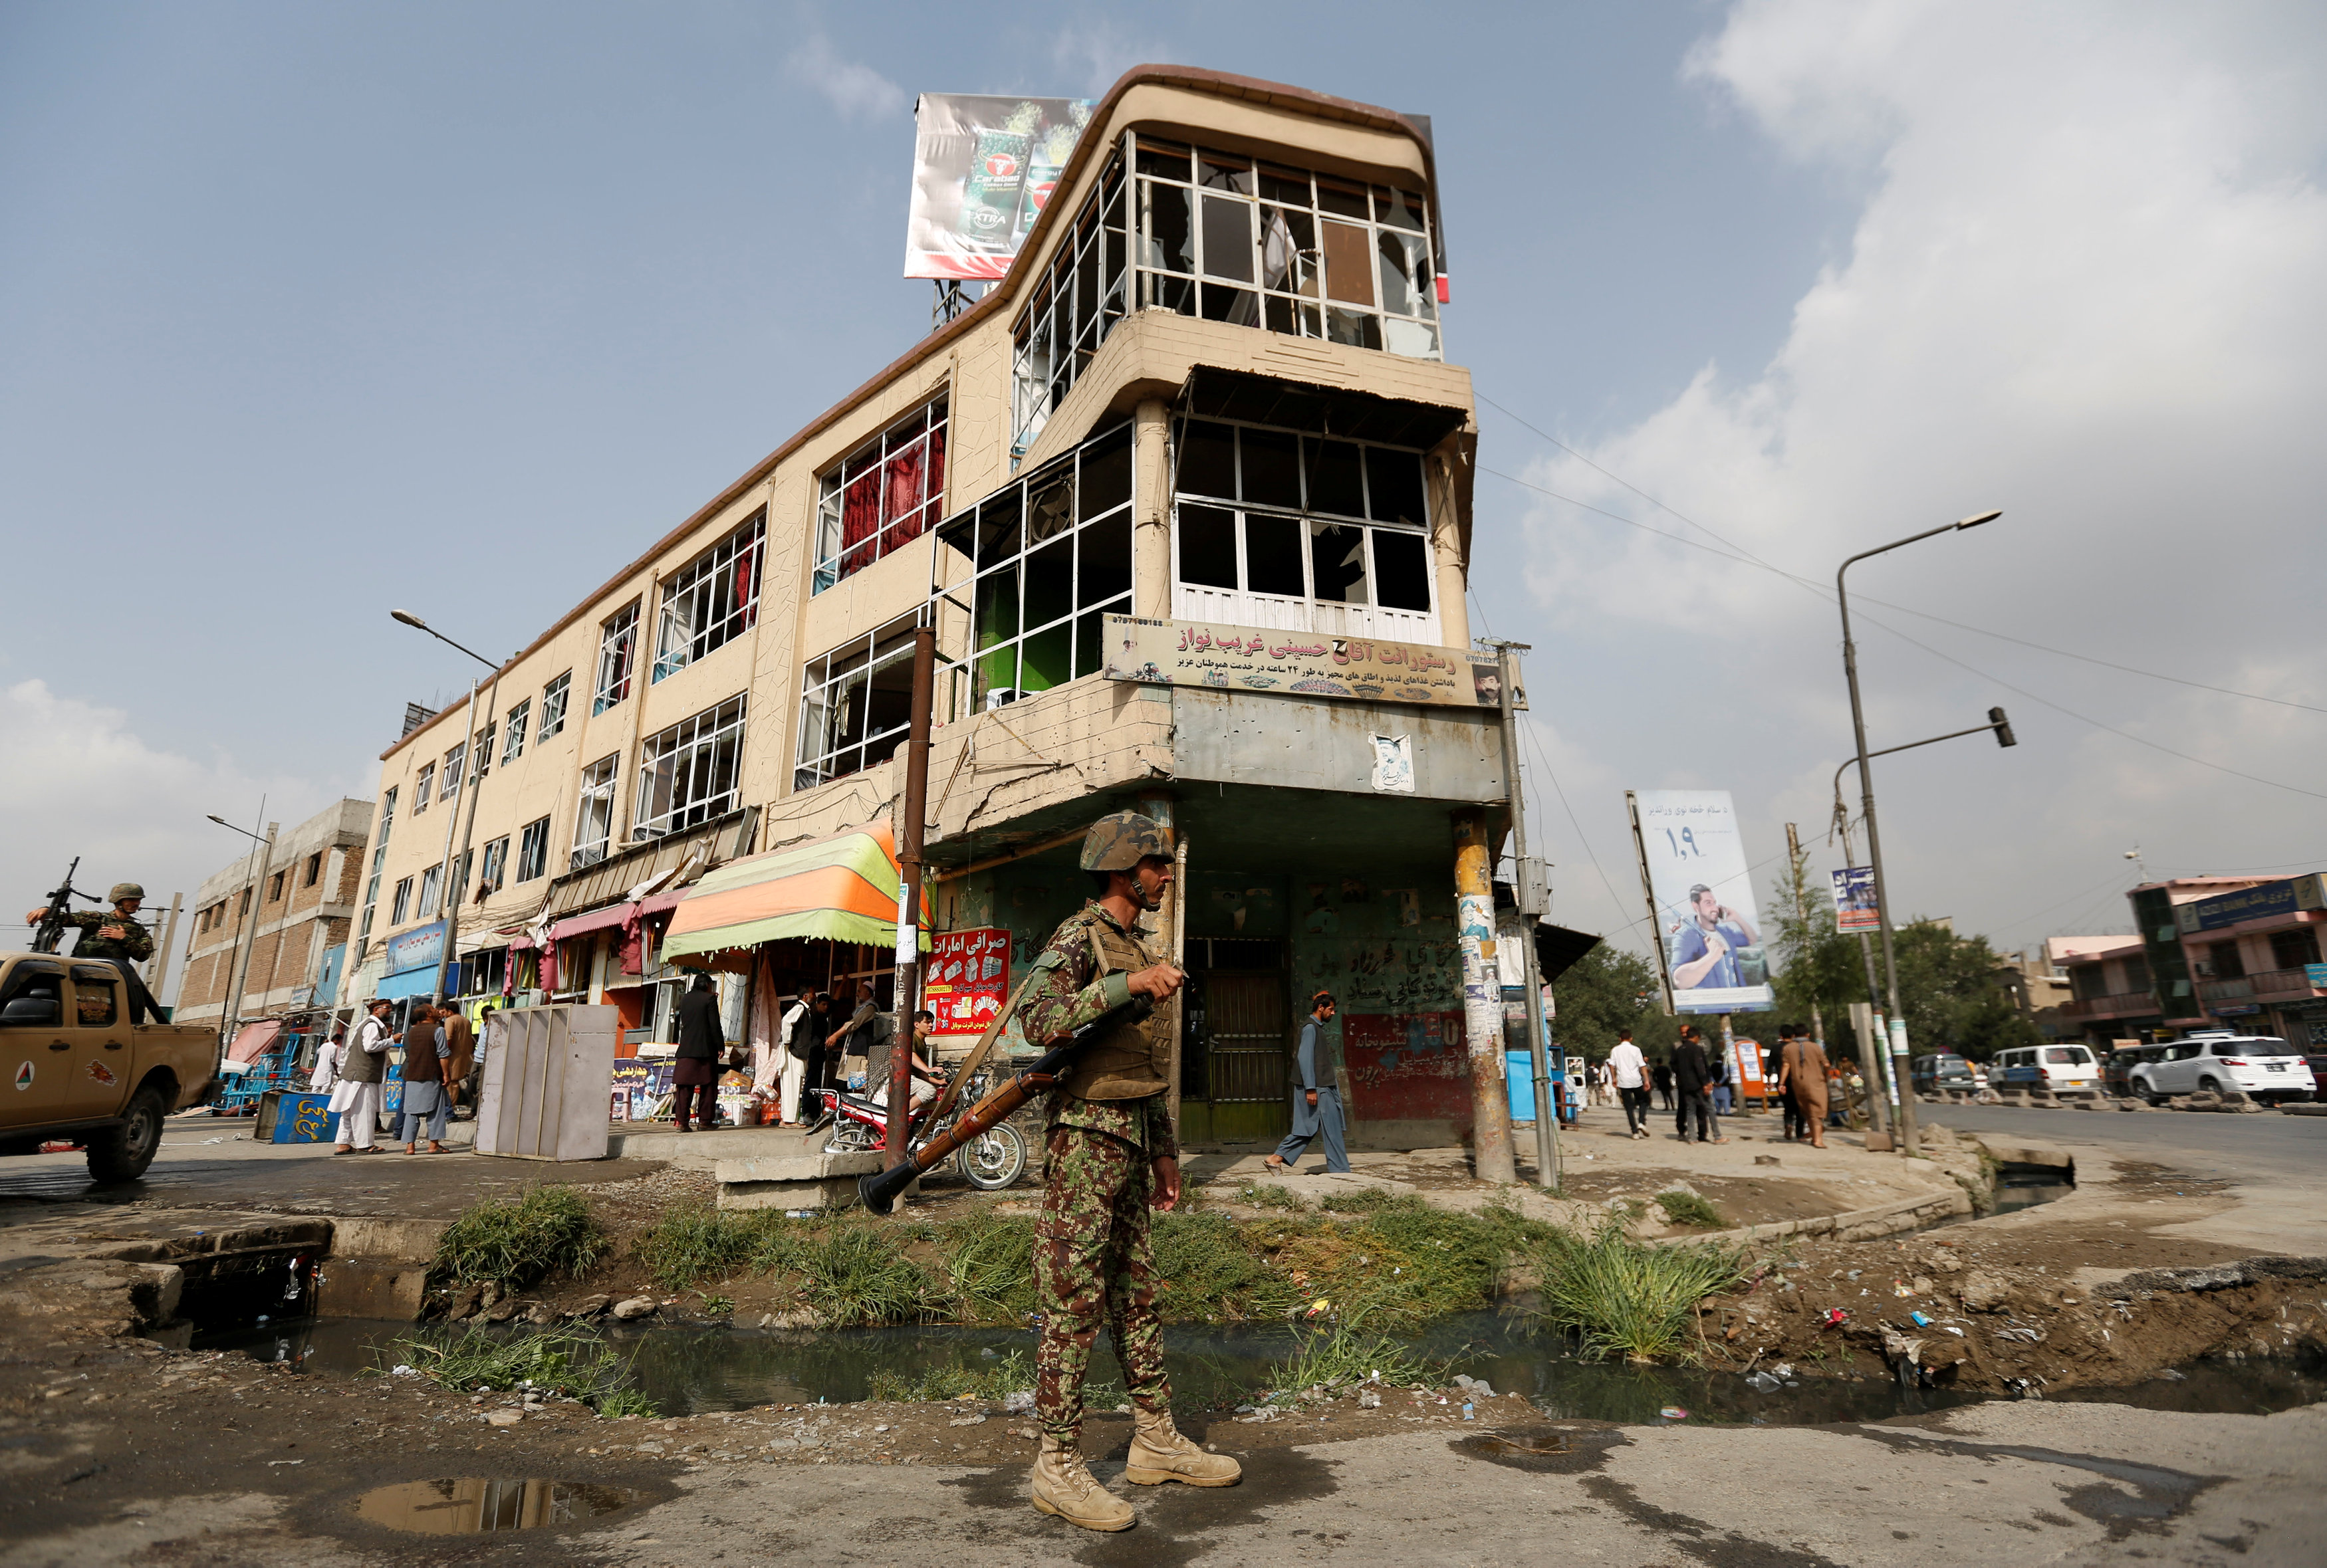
[(803, 1056), (325, 1078), (424, 1054), (1318, 1107), (1801, 1073), (459, 1060), (356, 1097), (702, 1042)]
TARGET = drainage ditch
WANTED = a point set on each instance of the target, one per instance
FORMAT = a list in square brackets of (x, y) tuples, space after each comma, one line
[(696, 1371)]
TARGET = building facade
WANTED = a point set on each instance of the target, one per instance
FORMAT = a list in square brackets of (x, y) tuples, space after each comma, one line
[(1186, 498), (2212, 952), (292, 915)]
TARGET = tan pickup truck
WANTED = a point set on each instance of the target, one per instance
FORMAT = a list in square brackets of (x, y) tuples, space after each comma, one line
[(78, 1071)]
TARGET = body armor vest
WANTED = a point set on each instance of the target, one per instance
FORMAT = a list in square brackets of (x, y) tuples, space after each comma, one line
[(1133, 1059)]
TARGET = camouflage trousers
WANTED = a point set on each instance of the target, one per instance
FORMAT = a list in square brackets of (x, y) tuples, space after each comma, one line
[(1093, 1265)]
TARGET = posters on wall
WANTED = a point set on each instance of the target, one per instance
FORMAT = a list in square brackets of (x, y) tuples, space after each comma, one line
[(1853, 900), (984, 168), (1693, 866), (1311, 663), (968, 978)]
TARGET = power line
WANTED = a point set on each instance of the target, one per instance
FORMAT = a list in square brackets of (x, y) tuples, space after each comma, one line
[(1544, 761), (1749, 555), (1822, 594)]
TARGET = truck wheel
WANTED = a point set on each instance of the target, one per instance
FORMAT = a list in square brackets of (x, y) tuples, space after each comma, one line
[(122, 1151)]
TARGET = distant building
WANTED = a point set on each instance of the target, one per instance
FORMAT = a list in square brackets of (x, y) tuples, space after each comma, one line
[(2253, 955), (2108, 984), (304, 896), (2039, 988)]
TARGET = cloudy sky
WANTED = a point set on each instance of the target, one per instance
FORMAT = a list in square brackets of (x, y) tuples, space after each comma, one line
[(311, 312)]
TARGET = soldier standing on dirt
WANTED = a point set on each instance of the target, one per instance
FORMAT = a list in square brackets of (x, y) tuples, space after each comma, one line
[(1109, 1153)]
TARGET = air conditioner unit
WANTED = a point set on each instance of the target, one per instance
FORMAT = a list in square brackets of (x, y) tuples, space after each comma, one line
[(1001, 697)]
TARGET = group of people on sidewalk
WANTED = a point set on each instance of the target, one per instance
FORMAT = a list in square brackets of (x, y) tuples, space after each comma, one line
[(827, 1040), (1689, 1081), (443, 1060)]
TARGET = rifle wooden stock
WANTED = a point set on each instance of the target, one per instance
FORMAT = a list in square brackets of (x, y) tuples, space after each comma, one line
[(879, 1192)]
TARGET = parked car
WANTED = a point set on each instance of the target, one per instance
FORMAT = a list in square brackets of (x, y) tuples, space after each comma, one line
[(1938, 1073), (2117, 1067), (2260, 1064), (2062, 1068)]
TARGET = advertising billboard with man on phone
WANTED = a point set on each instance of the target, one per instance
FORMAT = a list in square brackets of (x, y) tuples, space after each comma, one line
[(1693, 863)]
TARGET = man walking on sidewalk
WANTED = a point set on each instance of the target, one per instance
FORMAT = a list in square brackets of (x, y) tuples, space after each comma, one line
[(1693, 1088), (357, 1096), (1801, 1075), (1319, 1109), (1630, 1069)]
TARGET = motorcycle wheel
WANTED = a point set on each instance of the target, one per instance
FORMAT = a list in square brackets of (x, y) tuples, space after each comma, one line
[(849, 1137), (993, 1160)]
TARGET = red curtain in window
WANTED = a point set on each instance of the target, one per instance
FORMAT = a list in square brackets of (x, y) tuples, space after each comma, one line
[(860, 520), (901, 495), (743, 601)]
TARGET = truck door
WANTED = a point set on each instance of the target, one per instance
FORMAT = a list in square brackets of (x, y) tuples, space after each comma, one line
[(102, 1067), (35, 1054)]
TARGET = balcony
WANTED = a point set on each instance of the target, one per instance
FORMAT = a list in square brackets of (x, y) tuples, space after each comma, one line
[(2273, 984), (2127, 1004)]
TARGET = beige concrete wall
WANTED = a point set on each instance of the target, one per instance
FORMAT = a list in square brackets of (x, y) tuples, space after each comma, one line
[(969, 365)]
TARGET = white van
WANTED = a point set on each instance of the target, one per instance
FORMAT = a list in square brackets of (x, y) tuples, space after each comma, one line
[(2261, 1064), (2062, 1068)]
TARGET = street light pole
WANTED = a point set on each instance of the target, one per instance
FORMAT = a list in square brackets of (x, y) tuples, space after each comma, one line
[(1908, 1142), (247, 937), (449, 908)]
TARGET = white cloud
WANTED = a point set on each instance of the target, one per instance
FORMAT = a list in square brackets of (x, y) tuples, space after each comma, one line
[(1090, 53), (858, 92), (76, 781), (2083, 286)]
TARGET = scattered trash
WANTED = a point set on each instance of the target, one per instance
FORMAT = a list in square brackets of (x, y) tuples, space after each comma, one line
[(401, 1370), (1958, 1333), (1762, 1383), (1898, 1288), (1673, 1413), (1019, 1401), (1320, 1305), (1784, 1369), (2171, 1375), (1922, 1321), (1466, 1410), (1836, 1315), (1369, 1400), (276, 1461), (1476, 1387)]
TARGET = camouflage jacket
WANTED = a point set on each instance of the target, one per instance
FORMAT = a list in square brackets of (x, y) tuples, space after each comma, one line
[(1067, 993), (137, 946)]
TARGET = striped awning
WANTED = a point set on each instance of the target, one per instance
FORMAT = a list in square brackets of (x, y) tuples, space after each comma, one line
[(842, 889)]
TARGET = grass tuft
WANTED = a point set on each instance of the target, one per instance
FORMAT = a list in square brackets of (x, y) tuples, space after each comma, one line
[(1011, 1374), (517, 1243), (1339, 1360), (1689, 1209), (690, 1245), (989, 1262), (1625, 1297), (570, 1362), (1259, 1195), (854, 1276)]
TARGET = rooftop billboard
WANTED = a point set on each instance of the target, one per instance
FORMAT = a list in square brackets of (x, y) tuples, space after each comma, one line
[(984, 168)]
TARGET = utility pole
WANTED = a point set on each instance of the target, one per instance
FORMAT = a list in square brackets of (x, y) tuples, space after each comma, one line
[(1873, 1061), (1524, 888), (1801, 908), (1482, 1007), (249, 937), (447, 905), (909, 893), (157, 970)]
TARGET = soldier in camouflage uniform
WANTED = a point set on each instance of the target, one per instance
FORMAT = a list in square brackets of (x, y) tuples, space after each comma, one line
[(114, 935), (1109, 1154)]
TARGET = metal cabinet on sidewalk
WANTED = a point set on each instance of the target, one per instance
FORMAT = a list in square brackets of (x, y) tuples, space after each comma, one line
[(547, 1075)]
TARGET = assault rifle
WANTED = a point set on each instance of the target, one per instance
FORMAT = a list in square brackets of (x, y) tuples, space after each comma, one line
[(52, 927), (879, 1192)]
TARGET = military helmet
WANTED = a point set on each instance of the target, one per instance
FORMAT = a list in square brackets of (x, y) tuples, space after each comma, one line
[(126, 890), (1121, 839)]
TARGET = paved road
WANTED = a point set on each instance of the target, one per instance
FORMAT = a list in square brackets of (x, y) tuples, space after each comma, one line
[(2268, 1147)]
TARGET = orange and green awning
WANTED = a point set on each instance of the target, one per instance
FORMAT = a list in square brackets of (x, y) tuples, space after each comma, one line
[(842, 889)]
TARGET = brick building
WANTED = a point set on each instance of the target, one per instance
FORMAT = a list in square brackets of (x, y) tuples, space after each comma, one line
[(305, 897)]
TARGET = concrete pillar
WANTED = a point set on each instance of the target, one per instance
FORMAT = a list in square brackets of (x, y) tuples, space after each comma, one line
[(1151, 511), (1447, 550), (1482, 998)]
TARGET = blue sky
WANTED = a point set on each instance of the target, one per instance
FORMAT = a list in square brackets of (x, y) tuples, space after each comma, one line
[(311, 311)]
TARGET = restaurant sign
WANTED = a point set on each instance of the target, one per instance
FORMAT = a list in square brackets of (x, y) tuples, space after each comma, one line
[(1309, 664)]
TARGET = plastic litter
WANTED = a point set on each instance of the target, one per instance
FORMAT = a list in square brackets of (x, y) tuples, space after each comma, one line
[(1921, 1319), (1673, 1413), (1466, 1410), (1836, 1315), (1762, 1383)]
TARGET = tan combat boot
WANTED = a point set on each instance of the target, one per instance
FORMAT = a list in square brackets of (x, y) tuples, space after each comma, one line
[(1159, 1454), (1064, 1486)]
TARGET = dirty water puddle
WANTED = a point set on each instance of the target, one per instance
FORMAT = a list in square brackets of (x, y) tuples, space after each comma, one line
[(474, 1506)]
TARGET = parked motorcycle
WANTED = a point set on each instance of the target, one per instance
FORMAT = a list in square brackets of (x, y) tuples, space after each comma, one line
[(989, 1163)]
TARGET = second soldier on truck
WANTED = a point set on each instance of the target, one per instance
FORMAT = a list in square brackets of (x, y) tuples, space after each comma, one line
[(1109, 1154)]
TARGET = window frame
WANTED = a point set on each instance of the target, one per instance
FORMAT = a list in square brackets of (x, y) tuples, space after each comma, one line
[(875, 463), (823, 687), (455, 772), (599, 781), (690, 772), (513, 731), (556, 700), (400, 907), (618, 657), (424, 788), (533, 851), (432, 892), (734, 567)]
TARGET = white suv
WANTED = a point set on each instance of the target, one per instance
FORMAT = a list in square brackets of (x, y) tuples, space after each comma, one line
[(2262, 1066)]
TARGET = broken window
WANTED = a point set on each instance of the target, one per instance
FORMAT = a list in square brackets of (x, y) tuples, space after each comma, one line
[(856, 705), (594, 813), (518, 717), (885, 493), (689, 773), (1274, 525), (617, 641), (496, 867), (713, 599), (451, 789), (1034, 568), (1217, 236), (431, 889), (533, 849), (553, 704), (421, 790), (402, 906)]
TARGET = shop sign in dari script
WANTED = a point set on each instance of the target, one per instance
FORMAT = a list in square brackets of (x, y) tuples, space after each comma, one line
[(1298, 663)]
